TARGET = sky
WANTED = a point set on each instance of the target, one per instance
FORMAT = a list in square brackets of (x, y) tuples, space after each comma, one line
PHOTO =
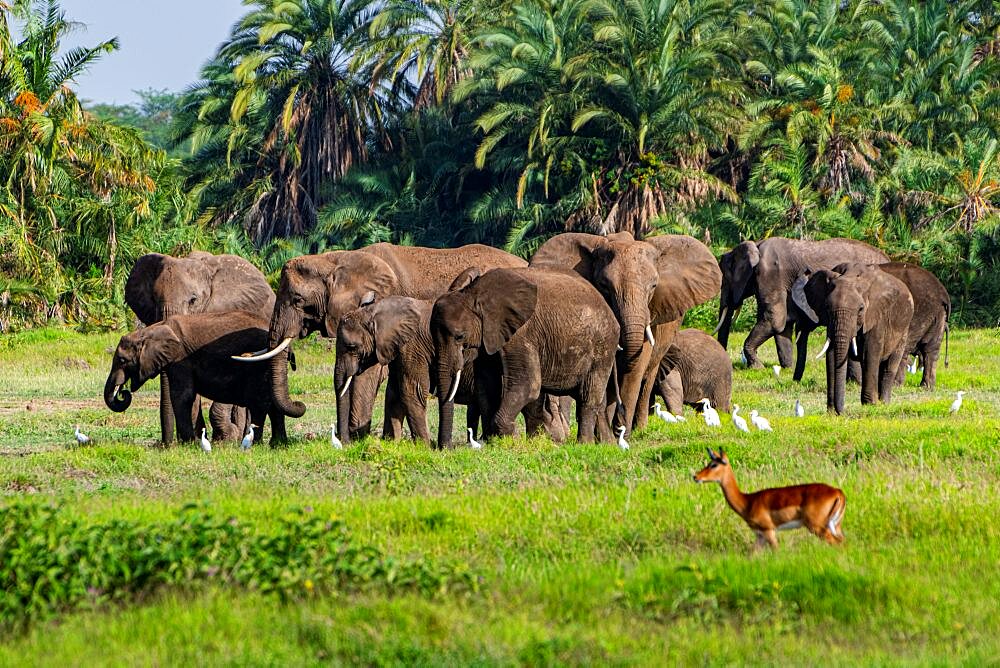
[(164, 43)]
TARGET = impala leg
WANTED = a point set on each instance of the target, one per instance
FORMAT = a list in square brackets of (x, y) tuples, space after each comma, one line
[(761, 542)]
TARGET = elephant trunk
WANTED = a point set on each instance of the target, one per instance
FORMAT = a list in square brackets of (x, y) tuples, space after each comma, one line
[(342, 381), (116, 396), (634, 336), (286, 323), (447, 379), (841, 336), (279, 387), (726, 314)]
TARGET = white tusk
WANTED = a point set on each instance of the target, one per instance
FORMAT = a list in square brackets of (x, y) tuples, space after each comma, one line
[(854, 346), (347, 386), (620, 349), (722, 317), (822, 352), (649, 335), (454, 386), (265, 356), (117, 389)]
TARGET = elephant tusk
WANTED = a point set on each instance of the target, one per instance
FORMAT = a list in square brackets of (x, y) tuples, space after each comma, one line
[(649, 336), (722, 318), (264, 357), (454, 386), (854, 346), (620, 349), (347, 386), (117, 390), (822, 352)]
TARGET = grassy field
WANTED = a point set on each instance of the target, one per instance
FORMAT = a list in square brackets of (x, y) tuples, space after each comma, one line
[(522, 553)]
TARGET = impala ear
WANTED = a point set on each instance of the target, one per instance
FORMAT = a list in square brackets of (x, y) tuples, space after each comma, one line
[(722, 456)]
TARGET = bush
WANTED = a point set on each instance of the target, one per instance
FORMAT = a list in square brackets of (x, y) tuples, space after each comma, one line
[(51, 562)]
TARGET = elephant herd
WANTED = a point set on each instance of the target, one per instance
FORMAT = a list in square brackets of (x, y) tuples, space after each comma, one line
[(591, 319)]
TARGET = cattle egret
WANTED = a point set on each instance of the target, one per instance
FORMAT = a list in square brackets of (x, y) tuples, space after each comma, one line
[(955, 405), (664, 415), (473, 443), (761, 423), (799, 411), (777, 370), (738, 420), (622, 443), (206, 445), (248, 439), (334, 441), (912, 368), (81, 438), (710, 414)]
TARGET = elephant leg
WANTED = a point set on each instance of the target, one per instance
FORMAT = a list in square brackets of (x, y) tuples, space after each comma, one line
[(240, 421), (519, 389), (931, 353), (185, 406), (363, 390), (415, 407), (760, 333), (167, 422), (801, 352), (535, 416), (783, 342), (278, 434), (887, 380), (665, 334), (870, 368), (395, 411), (472, 416), (220, 416), (854, 371), (673, 392)]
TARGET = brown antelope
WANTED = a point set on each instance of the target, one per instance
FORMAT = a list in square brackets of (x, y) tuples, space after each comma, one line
[(817, 507)]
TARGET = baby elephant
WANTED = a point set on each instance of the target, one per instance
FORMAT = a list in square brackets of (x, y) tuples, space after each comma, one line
[(695, 366), (195, 351), (396, 331)]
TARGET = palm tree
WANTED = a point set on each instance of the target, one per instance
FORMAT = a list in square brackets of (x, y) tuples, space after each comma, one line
[(300, 98)]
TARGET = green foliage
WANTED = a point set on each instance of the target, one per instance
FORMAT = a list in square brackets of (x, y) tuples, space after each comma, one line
[(53, 562)]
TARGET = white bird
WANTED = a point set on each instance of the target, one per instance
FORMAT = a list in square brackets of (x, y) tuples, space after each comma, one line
[(738, 420), (680, 418), (666, 416), (622, 443), (955, 405), (912, 368), (81, 438), (777, 370), (334, 441), (473, 443), (206, 445), (248, 439), (710, 414), (799, 411), (761, 423)]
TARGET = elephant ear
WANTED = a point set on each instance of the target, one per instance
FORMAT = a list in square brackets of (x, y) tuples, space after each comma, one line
[(396, 321), (504, 301), (160, 348), (740, 265), (799, 296), (139, 286), (688, 276), (571, 250), (465, 279)]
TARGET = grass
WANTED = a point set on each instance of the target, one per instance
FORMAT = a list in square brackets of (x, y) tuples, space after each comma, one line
[(583, 554)]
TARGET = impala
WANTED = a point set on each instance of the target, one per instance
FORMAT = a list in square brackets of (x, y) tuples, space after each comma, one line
[(817, 507)]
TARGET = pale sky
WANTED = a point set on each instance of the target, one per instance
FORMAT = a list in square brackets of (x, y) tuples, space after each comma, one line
[(164, 43)]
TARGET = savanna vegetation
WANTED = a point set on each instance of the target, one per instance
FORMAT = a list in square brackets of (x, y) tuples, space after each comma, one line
[(320, 125), (521, 553)]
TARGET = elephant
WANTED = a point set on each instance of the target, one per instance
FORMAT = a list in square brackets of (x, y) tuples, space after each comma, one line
[(867, 313), (316, 291), (649, 286), (931, 310), (695, 367), (160, 286), (395, 331), (767, 270), (527, 332), (196, 350)]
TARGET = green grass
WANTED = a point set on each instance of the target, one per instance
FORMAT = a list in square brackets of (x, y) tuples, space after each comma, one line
[(583, 554)]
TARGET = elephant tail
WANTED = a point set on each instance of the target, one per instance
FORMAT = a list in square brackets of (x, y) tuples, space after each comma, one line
[(947, 329)]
